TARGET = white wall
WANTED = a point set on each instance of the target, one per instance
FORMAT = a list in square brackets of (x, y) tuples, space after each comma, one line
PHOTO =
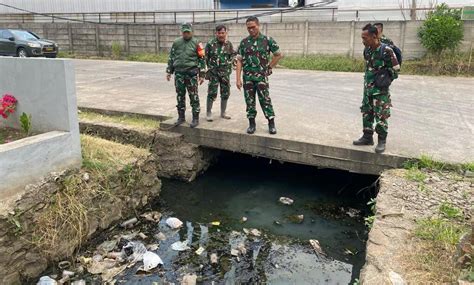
[(45, 89), (89, 6)]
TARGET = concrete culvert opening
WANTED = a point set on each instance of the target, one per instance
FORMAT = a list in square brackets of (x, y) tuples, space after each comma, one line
[(237, 229)]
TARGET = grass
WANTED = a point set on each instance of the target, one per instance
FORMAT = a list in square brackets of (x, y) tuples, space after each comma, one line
[(428, 163), (149, 57), (135, 121), (416, 175), (323, 62), (103, 157), (457, 64), (449, 65), (65, 223), (449, 211), (432, 259)]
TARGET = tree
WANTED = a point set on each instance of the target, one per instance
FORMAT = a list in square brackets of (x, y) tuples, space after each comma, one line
[(443, 29)]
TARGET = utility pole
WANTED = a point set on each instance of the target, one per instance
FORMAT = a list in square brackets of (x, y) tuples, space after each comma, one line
[(413, 10)]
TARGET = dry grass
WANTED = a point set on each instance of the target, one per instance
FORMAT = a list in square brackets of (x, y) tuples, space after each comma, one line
[(65, 223), (135, 121), (431, 259), (103, 157)]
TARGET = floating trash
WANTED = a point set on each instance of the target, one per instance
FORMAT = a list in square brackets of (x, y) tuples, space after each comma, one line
[(316, 247), (151, 260), (200, 250), (180, 246), (46, 280), (214, 259), (286, 201), (134, 251), (160, 236), (153, 216), (255, 232), (174, 223), (189, 279), (129, 223)]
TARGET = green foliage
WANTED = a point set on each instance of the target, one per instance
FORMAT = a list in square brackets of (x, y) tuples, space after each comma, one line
[(415, 174), (25, 123), (369, 221), (442, 30), (442, 233), (116, 50), (450, 211), (149, 57), (323, 62)]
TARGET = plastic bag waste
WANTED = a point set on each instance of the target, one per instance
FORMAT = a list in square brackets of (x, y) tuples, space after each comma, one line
[(174, 223), (180, 246), (46, 280), (151, 260), (286, 201), (134, 251)]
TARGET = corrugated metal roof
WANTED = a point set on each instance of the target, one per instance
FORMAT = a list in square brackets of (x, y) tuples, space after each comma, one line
[(87, 6)]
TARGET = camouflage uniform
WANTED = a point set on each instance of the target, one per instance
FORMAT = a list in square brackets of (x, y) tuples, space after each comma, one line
[(376, 102), (187, 62), (219, 60), (386, 40), (255, 56)]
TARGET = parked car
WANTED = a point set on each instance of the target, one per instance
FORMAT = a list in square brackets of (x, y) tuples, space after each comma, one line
[(22, 43)]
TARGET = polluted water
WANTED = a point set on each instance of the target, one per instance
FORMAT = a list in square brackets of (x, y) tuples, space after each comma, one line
[(244, 221)]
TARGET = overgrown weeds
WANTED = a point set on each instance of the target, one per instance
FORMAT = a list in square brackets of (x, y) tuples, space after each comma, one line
[(135, 121), (63, 225), (435, 248)]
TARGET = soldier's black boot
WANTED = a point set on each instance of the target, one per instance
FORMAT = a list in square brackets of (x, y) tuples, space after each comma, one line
[(252, 126), (195, 121), (271, 126), (209, 110), (366, 139), (381, 144), (223, 108), (181, 118)]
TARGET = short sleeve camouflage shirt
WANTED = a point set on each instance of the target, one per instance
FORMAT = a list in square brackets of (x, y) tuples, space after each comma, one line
[(219, 56), (255, 56)]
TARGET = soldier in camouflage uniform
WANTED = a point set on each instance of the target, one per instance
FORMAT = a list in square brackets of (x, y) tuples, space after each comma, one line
[(254, 59), (219, 59), (188, 64), (376, 101), (383, 39)]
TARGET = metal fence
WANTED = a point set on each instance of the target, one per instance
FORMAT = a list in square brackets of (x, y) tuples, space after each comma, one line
[(232, 16)]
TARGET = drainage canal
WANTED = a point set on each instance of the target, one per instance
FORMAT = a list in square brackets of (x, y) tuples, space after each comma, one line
[(236, 231)]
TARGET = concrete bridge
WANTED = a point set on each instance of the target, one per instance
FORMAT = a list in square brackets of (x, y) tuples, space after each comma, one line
[(317, 115)]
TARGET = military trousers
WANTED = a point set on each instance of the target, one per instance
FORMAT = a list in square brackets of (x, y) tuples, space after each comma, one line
[(375, 108), (251, 88), (216, 80), (186, 81)]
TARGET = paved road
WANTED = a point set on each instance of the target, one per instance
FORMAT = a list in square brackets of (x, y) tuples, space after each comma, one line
[(431, 115)]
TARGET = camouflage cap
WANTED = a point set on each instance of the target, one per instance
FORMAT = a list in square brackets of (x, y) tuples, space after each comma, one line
[(186, 27)]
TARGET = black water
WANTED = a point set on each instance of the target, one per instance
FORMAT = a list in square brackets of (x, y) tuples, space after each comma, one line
[(333, 203), (242, 186)]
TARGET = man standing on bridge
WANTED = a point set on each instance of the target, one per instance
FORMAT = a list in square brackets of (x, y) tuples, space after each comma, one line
[(381, 68), (220, 56), (187, 62), (254, 58)]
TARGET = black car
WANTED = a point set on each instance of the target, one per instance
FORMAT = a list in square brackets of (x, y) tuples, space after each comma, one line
[(22, 43)]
